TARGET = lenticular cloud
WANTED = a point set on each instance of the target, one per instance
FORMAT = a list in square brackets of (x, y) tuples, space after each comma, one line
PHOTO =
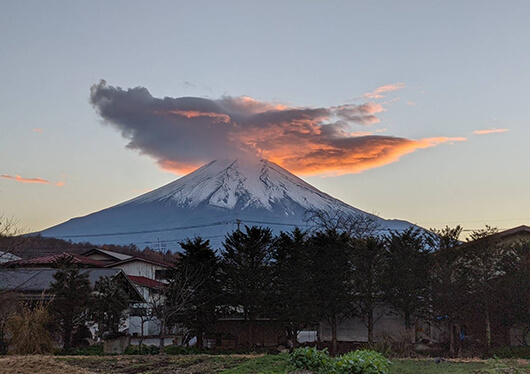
[(183, 133)]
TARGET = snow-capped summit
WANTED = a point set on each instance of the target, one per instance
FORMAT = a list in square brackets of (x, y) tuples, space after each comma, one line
[(241, 184), (209, 202)]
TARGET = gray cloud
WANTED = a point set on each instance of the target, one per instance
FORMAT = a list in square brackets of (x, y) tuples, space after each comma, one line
[(183, 133)]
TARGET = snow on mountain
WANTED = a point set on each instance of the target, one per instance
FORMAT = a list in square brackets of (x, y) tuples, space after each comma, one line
[(209, 202)]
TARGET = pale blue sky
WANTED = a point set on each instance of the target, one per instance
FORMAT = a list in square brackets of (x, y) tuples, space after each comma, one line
[(464, 64)]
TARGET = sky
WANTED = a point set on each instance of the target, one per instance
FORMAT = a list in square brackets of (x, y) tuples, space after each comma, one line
[(414, 110)]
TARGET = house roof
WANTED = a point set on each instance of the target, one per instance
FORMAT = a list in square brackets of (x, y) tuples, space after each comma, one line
[(523, 229), (115, 255), (132, 259), (39, 280), (50, 260), (7, 257), (146, 282)]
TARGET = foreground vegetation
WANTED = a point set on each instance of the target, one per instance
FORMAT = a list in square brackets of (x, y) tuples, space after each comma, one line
[(231, 364)]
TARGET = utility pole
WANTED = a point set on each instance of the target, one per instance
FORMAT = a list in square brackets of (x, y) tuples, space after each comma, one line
[(238, 222)]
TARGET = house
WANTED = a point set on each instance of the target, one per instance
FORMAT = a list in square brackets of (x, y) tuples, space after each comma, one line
[(131, 265), (33, 283), (7, 256), (143, 275)]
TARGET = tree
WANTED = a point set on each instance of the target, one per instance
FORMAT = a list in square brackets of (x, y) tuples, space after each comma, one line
[(108, 306), (246, 268), (369, 262), (292, 282), (200, 258), (11, 238), (482, 233), (447, 288), (358, 225), (72, 293), (407, 276), (332, 274), (170, 303), (9, 303), (484, 263)]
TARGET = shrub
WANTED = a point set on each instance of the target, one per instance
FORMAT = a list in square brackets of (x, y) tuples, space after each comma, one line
[(391, 346), (311, 359), (180, 350), (512, 352), (142, 350), (356, 362), (90, 350), (29, 332), (361, 362)]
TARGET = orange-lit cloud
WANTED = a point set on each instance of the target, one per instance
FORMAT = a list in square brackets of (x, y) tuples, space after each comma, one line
[(489, 131), (38, 130), (37, 180), (353, 155), (183, 133), (18, 178), (381, 92), (196, 114)]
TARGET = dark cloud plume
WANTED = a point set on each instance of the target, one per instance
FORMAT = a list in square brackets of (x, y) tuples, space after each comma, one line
[(183, 133)]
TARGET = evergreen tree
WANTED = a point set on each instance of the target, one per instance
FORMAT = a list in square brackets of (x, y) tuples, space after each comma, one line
[(109, 306), (407, 276), (485, 264), (332, 274), (72, 294), (449, 300), (292, 287), (369, 264), (200, 258), (247, 278)]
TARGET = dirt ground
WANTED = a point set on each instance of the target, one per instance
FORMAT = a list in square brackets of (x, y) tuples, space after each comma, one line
[(36, 364), (119, 364), (209, 364)]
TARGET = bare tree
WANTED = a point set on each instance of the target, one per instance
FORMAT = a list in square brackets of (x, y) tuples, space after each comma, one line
[(10, 243), (174, 299), (11, 238), (358, 225)]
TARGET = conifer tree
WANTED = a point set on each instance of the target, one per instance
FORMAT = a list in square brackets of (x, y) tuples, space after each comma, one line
[(247, 278), (201, 314), (72, 294)]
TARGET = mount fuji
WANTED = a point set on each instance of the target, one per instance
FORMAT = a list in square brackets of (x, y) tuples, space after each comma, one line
[(210, 202)]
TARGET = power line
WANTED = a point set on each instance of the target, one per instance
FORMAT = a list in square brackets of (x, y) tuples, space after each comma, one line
[(145, 231), (237, 222), (481, 220)]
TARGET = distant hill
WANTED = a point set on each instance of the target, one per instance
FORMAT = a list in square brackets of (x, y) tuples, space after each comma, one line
[(31, 246)]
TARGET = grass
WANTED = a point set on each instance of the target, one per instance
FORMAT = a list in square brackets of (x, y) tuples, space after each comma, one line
[(268, 364), (231, 364)]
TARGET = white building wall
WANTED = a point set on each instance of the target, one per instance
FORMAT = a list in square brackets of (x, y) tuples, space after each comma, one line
[(140, 269), (389, 325)]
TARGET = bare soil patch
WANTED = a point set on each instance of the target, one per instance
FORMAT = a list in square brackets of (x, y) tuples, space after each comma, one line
[(36, 364), (196, 364)]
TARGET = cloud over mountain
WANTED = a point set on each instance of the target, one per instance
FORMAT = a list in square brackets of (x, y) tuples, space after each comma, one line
[(183, 133)]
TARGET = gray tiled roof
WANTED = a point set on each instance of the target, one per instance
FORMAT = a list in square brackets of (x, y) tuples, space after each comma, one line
[(35, 280)]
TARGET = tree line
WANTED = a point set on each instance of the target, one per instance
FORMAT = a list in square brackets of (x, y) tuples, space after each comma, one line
[(342, 269)]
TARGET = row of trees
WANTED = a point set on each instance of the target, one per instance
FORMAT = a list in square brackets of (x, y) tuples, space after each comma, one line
[(344, 270)]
